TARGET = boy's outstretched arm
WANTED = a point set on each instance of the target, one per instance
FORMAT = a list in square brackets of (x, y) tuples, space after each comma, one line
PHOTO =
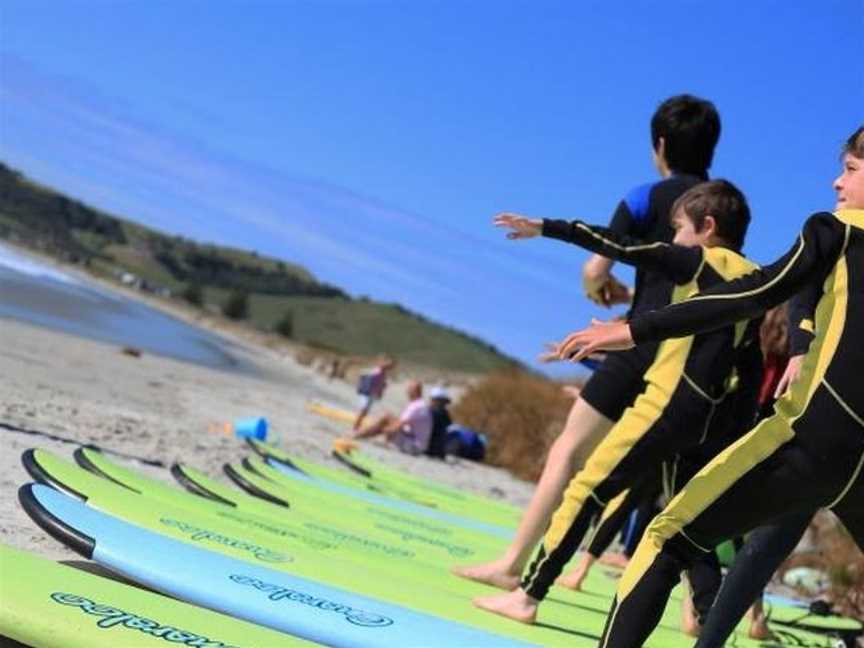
[(680, 264), (815, 252), (599, 284), (677, 262)]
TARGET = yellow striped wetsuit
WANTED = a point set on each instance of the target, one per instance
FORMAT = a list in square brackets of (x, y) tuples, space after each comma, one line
[(684, 385), (808, 454)]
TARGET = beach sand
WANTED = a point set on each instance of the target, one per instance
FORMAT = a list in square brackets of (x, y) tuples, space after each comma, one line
[(158, 408)]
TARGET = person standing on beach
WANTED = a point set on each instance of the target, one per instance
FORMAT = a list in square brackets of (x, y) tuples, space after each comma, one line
[(684, 132), (371, 387)]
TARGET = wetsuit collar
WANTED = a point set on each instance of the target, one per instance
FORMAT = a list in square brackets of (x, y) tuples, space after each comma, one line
[(853, 217)]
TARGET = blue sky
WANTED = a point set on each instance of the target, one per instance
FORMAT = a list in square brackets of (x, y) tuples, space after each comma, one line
[(373, 142)]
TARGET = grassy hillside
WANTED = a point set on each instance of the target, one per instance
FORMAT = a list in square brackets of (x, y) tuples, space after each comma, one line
[(320, 314)]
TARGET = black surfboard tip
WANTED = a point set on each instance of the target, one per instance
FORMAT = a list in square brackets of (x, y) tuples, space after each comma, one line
[(187, 482), (84, 462), (235, 476), (39, 473), (55, 527)]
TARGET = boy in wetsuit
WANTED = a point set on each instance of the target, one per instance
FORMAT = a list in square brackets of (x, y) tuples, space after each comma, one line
[(809, 454), (684, 133), (686, 384)]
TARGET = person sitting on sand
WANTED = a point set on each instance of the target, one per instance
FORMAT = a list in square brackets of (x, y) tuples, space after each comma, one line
[(411, 430), (371, 387), (439, 399)]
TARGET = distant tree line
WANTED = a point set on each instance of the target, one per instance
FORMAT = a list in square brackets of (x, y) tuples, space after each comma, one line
[(50, 220), (188, 264)]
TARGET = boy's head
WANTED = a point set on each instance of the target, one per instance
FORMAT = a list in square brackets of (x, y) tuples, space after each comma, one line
[(849, 185), (684, 132), (711, 214)]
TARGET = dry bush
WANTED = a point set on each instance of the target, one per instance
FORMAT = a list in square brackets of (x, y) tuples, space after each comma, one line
[(838, 556), (521, 414)]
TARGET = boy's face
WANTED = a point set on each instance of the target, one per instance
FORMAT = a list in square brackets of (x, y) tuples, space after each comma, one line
[(849, 185), (685, 231)]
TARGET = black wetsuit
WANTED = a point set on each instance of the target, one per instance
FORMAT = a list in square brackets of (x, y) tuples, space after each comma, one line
[(643, 214), (684, 385), (808, 455)]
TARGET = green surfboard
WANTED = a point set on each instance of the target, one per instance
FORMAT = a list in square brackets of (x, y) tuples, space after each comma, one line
[(47, 604)]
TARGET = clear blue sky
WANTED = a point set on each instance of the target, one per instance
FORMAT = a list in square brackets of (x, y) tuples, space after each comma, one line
[(373, 142)]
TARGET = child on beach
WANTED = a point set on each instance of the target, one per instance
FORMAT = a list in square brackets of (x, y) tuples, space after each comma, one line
[(687, 387), (684, 132), (371, 388), (808, 454)]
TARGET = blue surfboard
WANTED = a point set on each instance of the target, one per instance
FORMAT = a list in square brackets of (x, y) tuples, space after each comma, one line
[(246, 591)]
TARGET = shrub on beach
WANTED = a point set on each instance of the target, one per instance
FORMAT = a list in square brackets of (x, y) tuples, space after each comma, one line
[(194, 294), (520, 413), (237, 305), (285, 325)]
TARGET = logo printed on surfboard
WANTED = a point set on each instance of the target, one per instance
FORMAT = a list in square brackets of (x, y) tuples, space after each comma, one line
[(112, 617), (199, 534), (280, 593)]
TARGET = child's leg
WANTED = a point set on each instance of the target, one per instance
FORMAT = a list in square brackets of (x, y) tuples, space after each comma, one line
[(365, 406), (584, 428), (768, 473), (615, 515), (760, 556), (644, 436), (379, 426)]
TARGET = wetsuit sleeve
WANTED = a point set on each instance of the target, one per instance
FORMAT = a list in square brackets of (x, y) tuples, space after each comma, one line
[(815, 252), (802, 308), (678, 263)]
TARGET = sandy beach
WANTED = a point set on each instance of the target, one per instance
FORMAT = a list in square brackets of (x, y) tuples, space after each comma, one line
[(163, 409)]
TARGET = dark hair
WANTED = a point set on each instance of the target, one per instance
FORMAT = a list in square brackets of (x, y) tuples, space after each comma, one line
[(690, 128), (855, 144), (721, 200)]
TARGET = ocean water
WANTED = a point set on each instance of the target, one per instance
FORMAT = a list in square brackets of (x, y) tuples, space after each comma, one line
[(45, 296)]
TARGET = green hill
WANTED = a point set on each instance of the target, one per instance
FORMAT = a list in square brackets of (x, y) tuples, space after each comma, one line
[(310, 311)]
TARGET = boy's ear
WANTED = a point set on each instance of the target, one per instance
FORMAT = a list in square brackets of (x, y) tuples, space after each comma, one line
[(660, 148), (709, 225)]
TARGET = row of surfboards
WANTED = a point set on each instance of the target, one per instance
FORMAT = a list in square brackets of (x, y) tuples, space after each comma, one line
[(300, 554)]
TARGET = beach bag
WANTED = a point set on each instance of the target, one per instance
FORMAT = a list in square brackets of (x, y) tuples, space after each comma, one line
[(365, 384), (466, 443)]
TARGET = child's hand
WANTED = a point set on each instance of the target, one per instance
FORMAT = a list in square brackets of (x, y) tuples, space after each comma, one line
[(793, 370), (614, 292), (522, 227), (550, 353), (608, 336)]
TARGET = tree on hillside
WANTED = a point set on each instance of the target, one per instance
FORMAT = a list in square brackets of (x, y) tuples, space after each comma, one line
[(194, 294), (236, 306), (285, 326)]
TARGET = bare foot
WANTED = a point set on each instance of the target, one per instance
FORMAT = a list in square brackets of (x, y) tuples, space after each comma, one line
[(573, 579), (759, 629), (614, 560), (496, 573), (690, 625), (516, 605)]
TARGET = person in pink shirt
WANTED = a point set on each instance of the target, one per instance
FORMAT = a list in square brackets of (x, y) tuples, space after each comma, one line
[(411, 430)]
